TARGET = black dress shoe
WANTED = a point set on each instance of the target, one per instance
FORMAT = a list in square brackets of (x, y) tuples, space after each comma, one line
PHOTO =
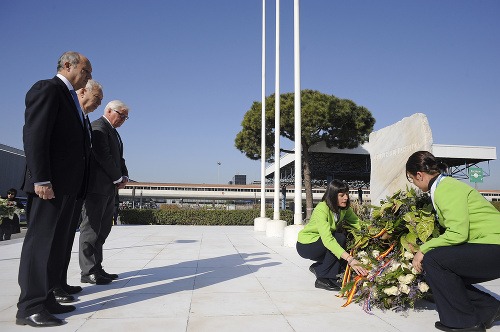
[(95, 279), (41, 319), (63, 297), (495, 318), (71, 289), (477, 328), (327, 284), (111, 276), (57, 308)]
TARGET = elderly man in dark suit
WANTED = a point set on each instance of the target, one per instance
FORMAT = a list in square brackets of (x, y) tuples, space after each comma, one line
[(57, 146), (108, 174), (89, 98)]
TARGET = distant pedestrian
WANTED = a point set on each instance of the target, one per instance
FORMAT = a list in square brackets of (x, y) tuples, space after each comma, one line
[(7, 226)]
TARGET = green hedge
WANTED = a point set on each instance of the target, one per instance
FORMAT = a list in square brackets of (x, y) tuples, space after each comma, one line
[(197, 217), (497, 205)]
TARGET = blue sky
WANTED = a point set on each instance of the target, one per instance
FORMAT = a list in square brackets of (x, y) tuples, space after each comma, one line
[(190, 70)]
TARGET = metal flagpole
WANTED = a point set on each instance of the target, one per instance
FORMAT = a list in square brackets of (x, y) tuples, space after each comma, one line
[(261, 223), (276, 215), (291, 233), (263, 131), (297, 219)]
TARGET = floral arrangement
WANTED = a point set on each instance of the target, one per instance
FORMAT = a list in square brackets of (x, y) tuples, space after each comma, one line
[(385, 245), (8, 209)]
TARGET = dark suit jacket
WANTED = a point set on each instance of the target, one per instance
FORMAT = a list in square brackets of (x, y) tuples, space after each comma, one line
[(106, 162), (56, 145)]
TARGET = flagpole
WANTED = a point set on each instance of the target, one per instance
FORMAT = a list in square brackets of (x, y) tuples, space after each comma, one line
[(263, 124), (297, 219), (260, 223), (276, 215), (291, 233)]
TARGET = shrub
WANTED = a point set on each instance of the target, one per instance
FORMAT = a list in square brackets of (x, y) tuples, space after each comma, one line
[(197, 217)]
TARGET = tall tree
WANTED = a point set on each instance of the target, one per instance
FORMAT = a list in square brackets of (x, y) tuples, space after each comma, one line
[(337, 122)]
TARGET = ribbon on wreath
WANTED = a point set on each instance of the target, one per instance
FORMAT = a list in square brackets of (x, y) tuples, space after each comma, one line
[(348, 272)]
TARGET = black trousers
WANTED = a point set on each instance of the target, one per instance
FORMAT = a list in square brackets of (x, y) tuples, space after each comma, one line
[(71, 238), (327, 264), (97, 220), (42, 255), (6, 229), (451, 271)]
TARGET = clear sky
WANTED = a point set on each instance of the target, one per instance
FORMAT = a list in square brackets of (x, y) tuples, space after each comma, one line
[(190, 69)]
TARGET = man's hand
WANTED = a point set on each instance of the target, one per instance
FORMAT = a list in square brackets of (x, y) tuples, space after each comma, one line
[(44, 191), (122, 184)]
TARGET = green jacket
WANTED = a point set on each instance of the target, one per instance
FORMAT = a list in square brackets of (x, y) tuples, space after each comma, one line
[(465, 214), (322, 225)]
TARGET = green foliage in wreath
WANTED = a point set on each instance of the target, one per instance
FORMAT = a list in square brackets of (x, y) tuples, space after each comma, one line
[(385, 244)]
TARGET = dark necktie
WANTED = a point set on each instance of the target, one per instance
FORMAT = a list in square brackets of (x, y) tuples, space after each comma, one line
[(77, 104), (89, 129), (119, 142)]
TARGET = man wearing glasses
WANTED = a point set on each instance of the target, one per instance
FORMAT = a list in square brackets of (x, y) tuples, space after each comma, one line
[(108, 173)]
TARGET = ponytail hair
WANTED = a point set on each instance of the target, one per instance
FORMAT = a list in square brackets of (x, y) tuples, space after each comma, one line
[(424, 161)]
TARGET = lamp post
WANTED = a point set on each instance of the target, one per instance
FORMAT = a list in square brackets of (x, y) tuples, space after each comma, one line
[(218, 171)]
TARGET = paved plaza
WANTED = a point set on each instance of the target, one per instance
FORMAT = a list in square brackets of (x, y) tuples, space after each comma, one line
[(206, 278)]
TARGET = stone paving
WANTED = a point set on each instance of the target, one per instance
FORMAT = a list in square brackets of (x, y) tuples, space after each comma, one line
[(206, 278)]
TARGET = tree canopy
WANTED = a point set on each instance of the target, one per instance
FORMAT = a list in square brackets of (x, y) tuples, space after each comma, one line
[(337, 122)]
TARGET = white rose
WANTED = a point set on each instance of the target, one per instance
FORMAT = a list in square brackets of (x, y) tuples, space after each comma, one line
[(392, 291), (362, 254), (406, 279), (365, 261), (423, 287), (408, 255), (414, 271), (404, 289), (394, 267), (404, 266), (375, 253)]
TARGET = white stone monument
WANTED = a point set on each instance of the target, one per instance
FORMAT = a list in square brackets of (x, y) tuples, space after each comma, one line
[(389, 150)]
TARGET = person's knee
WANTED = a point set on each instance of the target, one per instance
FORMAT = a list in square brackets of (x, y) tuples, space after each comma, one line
[(429, 261)]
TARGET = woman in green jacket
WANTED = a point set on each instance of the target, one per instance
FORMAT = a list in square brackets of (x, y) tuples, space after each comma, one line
[(466, 253), (323, 238)]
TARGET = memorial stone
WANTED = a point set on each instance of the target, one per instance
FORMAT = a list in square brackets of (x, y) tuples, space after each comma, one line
[(389, 150)]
